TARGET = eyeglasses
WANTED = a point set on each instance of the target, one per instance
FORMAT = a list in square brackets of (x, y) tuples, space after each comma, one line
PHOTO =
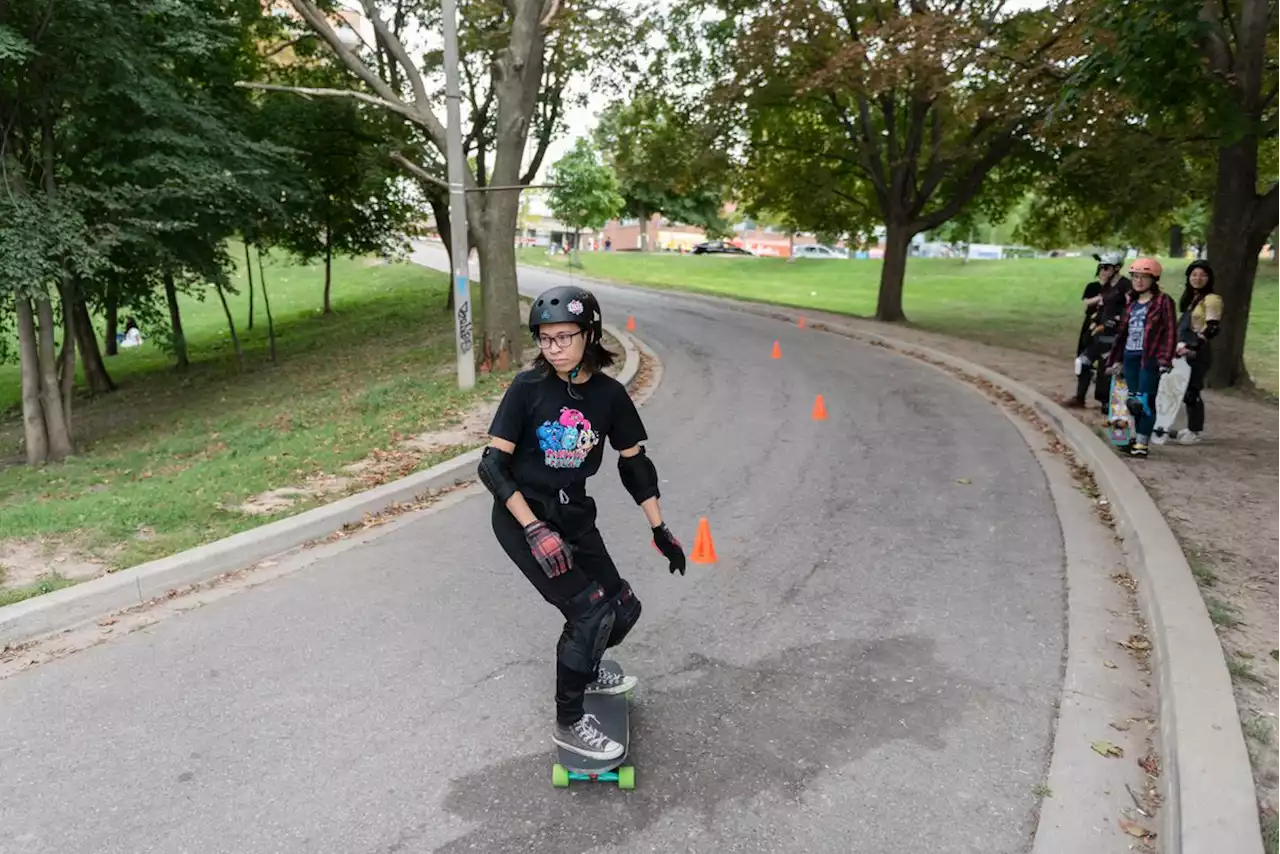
[(563, 340)]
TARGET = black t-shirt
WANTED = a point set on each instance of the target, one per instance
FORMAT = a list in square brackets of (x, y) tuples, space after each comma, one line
[(560, 440)]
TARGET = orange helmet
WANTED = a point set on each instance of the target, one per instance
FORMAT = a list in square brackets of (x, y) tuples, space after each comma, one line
[(1146, 265)]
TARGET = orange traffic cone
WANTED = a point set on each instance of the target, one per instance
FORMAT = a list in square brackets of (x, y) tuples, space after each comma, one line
[(631, 323), (704, 551), (777, 350), (819, 409), (801, 322)]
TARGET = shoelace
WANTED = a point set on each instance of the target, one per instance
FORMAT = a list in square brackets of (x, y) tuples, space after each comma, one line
[(589, 733), (608, 677)]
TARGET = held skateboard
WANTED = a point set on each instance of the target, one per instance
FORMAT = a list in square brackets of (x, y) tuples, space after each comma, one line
[(1173, 385), (1119, 421), (613, 718)]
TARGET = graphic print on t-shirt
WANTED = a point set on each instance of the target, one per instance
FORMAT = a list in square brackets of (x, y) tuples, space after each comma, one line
[(565, 443)]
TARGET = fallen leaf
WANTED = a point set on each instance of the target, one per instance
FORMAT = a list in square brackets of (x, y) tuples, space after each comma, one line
[(1106, 748), (1109, 664), (1134, 829), (963, 480), (1136, 642), (1124, 727), (1151, 764)]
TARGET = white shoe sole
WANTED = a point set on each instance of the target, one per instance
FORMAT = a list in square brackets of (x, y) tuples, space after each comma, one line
[(588, 753)]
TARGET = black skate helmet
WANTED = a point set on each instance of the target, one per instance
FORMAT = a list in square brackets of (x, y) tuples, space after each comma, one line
[(568, 304)]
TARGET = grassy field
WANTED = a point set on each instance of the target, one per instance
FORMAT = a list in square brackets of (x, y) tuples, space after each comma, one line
[(1030, 304), (160, 460)]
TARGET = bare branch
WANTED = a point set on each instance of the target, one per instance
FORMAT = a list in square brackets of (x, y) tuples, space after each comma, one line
[(416, 170), (393, 43), (287, 45), (308, 91)]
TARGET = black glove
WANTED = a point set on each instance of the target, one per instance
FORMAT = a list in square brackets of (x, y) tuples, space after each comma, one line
[(666, 542), (551, 551)]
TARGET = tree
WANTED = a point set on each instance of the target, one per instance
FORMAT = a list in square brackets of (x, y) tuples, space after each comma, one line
[(122, 168), (908, 112), (668, 161), (517, 58), (1204, 70), (346, 197), (584, 192)]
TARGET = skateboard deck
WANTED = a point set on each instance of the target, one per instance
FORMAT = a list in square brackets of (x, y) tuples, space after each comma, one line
[(1173, 385), (613, 717), (1119, 421)]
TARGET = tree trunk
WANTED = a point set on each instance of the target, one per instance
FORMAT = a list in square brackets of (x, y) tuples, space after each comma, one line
[(1235, 239), (1175, 242), (646, 244), (55, 420), (231, 324), (67, 358), (328, 268), (889, 303), (95, 371), (35, 435), (440, 210), (500, 346), (266, 303), (175, 321), (113, 320), (248, 269)]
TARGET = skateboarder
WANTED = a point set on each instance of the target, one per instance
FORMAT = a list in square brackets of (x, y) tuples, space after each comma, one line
[(1104, 302), (1144, 347), (546, 440), (1201, 315)]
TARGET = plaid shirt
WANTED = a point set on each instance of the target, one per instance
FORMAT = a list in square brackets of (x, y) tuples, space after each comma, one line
[(1159, 340)]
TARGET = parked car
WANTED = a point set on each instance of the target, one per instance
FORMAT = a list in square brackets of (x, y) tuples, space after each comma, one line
[(818, 250), (719, 247)]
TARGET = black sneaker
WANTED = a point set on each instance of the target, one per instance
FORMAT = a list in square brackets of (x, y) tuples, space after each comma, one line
[(586, 740), (1139, 449)]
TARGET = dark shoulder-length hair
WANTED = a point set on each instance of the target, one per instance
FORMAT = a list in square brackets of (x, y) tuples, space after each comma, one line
[(1190, 294), (595, 358)]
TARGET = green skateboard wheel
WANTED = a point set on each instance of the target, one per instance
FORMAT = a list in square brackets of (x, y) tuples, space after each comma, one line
[(626, 777), (559, 776)]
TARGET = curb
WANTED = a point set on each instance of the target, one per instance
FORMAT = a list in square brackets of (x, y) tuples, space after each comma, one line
[(73, 606), (1210, 803)]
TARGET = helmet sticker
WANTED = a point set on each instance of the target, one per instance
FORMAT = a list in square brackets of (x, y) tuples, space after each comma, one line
[(546, 315), (575, 307)]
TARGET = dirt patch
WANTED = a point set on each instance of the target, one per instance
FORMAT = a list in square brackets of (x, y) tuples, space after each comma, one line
[(1220, 499), (25, 562)]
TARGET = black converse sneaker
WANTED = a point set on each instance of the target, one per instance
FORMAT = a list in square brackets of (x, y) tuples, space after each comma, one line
[(585, 739), (610, 682)]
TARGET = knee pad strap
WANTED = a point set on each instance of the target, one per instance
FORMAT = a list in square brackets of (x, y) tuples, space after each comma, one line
[(626, 609)]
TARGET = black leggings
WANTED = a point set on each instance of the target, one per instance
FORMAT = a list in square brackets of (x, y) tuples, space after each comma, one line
[(1193, 400), (576, 523)]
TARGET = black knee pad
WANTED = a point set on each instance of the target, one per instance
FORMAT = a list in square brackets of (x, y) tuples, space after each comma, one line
[(626, 609), (589, 622), (1136, 405)]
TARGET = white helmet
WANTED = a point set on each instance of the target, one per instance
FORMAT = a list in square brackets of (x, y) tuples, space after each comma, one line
[(1111, 259)]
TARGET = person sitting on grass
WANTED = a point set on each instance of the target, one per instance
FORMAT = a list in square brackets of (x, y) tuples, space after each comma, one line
[(1144, 348)]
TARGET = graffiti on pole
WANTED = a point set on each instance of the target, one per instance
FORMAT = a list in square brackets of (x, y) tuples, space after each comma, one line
[(464, 317)]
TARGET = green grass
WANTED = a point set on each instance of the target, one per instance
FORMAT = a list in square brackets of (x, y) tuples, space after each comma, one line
[(1029, 304), (46, 584), (158, 460), (1221, 614)]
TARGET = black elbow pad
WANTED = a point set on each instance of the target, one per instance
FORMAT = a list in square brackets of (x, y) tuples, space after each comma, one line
[(639, 476), (495, 473)]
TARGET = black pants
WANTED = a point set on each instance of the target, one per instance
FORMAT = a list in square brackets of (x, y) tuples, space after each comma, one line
[(1097, 352), (576, 523), (1193, 400)]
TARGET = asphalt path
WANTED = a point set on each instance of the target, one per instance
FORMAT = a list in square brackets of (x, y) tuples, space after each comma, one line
[(871, 666)]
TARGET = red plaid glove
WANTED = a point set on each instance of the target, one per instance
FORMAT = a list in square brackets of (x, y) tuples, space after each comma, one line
[(551, 551)]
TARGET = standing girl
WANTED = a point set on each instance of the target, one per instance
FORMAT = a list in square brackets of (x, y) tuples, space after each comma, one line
[(1144, 347), (547, 439), (1201, 314)]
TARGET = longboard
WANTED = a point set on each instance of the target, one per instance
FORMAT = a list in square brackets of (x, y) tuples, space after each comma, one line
[(1173, 386), (1119, 421), (613, 716)]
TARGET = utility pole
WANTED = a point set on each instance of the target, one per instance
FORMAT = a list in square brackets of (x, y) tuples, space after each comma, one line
[(457, 201)]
